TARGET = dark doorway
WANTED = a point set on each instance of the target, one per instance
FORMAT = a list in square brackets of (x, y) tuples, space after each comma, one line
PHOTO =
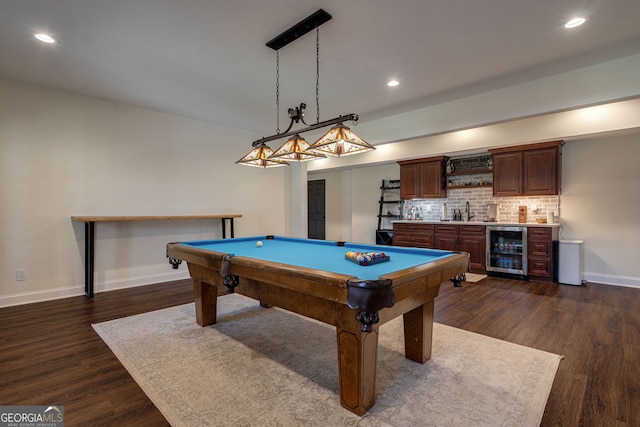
[(315, 209)]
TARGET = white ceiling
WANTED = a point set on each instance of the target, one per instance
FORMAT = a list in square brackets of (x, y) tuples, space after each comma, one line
[(207, 59)]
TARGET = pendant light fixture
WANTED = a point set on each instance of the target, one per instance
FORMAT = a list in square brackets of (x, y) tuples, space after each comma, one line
[(339, 141), (259, 157), (295, 149)]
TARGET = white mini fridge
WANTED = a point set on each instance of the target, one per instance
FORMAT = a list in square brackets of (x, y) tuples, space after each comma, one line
[(570, 262)]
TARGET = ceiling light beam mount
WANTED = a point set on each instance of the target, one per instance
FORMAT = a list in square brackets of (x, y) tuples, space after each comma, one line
[(300, 29)]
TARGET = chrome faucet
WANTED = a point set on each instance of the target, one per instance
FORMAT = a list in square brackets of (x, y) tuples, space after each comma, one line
[(467, 210)]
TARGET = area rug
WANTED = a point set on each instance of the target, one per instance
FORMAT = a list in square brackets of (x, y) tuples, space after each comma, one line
[(269, 367), (473, 278)]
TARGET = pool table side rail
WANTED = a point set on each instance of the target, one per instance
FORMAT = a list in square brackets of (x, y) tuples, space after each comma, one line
[(450, 266), (425, 278)]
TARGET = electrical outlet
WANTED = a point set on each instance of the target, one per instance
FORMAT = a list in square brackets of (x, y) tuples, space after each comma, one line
[(21, 275)]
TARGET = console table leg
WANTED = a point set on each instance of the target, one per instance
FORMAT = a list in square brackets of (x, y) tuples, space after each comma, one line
[(224, 227), (89, 251)]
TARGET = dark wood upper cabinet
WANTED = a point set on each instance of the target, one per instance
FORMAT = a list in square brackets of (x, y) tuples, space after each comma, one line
[(432, 179), (423, 178), (541, 171), (527, 170), (507, 174), (409, 181)]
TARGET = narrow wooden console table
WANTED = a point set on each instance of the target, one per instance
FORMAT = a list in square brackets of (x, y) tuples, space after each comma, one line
[(89, 235)]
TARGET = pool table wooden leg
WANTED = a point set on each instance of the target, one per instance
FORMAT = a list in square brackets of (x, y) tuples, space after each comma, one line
[(357, 353), (418, 332), (206, 301)]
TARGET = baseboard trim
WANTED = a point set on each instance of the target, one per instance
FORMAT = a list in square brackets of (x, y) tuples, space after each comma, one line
[(607, 279), (77, 290)]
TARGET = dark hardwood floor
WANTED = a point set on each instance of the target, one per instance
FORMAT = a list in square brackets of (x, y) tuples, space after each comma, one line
[(50, 354)]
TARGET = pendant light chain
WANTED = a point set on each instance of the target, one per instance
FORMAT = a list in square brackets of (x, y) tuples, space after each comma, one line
[(277, 91), (317, 74), (338, 141)]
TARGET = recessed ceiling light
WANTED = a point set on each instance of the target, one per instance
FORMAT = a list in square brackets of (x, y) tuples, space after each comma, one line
[(576, 22), (393, 83), (45, 38)]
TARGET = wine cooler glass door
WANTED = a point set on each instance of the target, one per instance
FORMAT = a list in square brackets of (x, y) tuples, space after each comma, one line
[(507, 250)]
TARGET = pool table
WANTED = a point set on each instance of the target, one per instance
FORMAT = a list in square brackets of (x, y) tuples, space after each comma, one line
[(313, 278)]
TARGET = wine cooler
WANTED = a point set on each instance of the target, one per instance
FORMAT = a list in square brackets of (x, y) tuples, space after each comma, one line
[(507, 250)]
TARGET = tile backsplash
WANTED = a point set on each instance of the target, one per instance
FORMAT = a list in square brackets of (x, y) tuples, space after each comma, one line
[(479, 199)]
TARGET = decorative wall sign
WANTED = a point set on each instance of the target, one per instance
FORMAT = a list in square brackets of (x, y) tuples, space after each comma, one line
[(470, 164)]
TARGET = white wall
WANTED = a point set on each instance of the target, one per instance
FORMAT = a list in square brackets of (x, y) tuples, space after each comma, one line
[(63, 154), (600, 204)]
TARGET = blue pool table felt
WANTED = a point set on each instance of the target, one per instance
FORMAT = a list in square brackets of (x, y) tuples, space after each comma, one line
[(322, 254)]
